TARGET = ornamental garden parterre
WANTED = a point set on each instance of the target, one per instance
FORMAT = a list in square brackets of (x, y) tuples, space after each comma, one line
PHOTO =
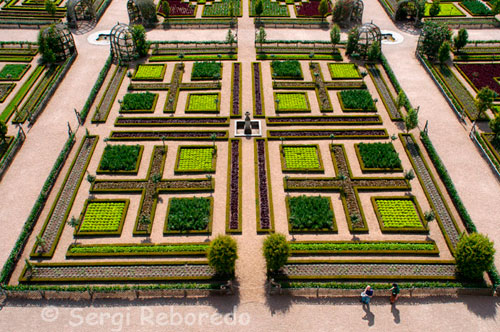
[(156, 171)]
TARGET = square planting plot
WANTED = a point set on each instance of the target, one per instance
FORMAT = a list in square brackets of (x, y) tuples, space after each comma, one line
[(196, 159), (178, 8), (192, 215), (291, 102), (207, 70), (150, 72), (343, 70), (103, 217), (309, 9), (378, 157), (220, 8), (271, 9), (203, 103), (480, 75), (287, 69), (13, 72), (447, 9), (356, 101), (475, 7), (399, 214), (310, 214), (5, 90), (139, 102), (301, 158), (123, 159)]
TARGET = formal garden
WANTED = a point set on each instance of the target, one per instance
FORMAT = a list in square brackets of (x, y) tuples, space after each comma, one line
[(339, 185)]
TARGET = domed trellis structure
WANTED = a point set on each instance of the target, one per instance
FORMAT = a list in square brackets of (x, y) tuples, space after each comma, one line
[(348, 12), (79, 10), (59, 40), (122, 44), (368, 34), (142, 12)]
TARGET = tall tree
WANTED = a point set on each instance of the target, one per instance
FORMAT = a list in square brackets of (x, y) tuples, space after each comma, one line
[(433, 36), (261, 37), (139, 39), (323, 8), (259, 8), (352, 41), (444, 52), (335, 35), (230, 38), (484, 100), (411, 120), (461, 39), (50, 7)]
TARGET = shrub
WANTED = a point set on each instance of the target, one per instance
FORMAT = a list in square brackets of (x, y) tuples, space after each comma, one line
[(120, 157), (352, 41), (435, 8), (49, 44), (222, 255), (433, 36), (444, 52), (495, 128), (474, 254), (461, 39), (276, 251), (310, 212), (187, 214), (374, 52), (411, 120), (139, 38)]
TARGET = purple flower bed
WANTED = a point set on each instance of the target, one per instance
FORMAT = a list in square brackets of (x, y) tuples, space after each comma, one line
[(258, 96), (310, 9), (167, 134), (236, 89), (326, 133), (265, 219), (178, 8), (234, 192), (482, 74)]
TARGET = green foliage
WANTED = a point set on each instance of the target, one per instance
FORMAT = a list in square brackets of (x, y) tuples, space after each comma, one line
[(138, 101), (287, 68), (102, 217), (230, 37), (474, 254), (360, 246), (310, 212), (401, 100), (3, 131), (335, 35), (50, 7), (435, 8), (495, 9), (203, 102), (165, 8), (484, 100), (222, 8), (196, 159), (357, 99), (137, 249), (433, 36), (343, 70), (187, 214), (48, 44), (323, 8), (276, 251), (269, 8), (120, 157), (352, 41), (301, 157), (476, 7), (259, 8), (139, 39), (12, 71), (261, 36), (495, 128), (292, 101), (398, 213), (222, 255), (446, 9), (444, 52), (411, 119), (150, 72), (374, 52), (206, 70), (379, 155), (461, 39)]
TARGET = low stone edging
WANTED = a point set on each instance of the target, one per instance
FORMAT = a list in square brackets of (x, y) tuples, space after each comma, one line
[(414, 292)]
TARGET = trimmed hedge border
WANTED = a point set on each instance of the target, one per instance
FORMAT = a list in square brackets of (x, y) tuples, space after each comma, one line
[(203, 135), (95, 118), (302, 120), (171, 121), (112, 253), (236, 93), (95, 89), (257, 91), (339, 133), (230, 184), (18, 248), (457, 201), (434, 251), (267, 188)]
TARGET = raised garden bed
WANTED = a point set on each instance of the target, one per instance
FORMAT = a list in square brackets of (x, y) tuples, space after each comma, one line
[(189, 215), (287, 69), (136, 249), (301, 158), (13, 72), (196, 159), (5, 90), (203, 103), (481, 75), (475, 7), (233, 209), (139, 102), (207, 70), (364, 247), (264, 201), (179, 8), (149, 72), (344, 71), (102, 217), (399, 214), (447, 10), (378, 157), (122, 159), (356, 101), (310, 214), (291, 102)]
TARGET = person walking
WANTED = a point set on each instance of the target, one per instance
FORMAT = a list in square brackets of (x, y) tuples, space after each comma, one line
[(394, 293), (366, 295)]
